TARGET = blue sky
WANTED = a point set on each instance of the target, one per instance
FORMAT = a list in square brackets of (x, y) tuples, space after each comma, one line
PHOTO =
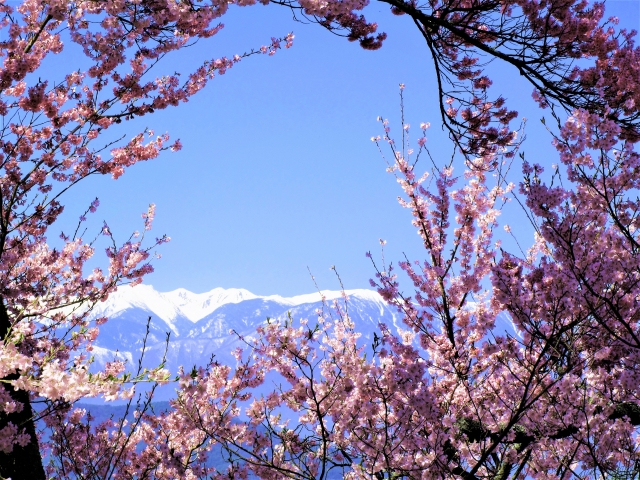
[(277, 173)]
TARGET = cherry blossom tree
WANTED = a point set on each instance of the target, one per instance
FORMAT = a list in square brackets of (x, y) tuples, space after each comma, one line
[(452, 395), (56, 132)]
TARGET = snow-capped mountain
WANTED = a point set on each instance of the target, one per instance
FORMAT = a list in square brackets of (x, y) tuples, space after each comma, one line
[(200, 323), (170, 307)]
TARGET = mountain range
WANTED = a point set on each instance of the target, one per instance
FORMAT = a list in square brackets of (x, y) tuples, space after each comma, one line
[(206, 325), (200, 324)]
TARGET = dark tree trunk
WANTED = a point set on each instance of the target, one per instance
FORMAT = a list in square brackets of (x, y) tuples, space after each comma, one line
[(23, 463)]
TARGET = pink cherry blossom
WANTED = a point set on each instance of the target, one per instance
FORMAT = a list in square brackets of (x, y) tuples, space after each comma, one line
[(450, 393)]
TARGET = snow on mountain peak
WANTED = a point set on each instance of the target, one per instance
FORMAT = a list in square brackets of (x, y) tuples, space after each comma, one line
[(140, 296), (329, 296), (194, 306)]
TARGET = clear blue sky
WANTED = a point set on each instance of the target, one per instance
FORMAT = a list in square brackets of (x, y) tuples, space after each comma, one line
[(277, 172)]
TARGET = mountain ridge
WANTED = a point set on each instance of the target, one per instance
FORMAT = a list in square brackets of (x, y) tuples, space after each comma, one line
[(195, 306), (201, 325), (207, 325)]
